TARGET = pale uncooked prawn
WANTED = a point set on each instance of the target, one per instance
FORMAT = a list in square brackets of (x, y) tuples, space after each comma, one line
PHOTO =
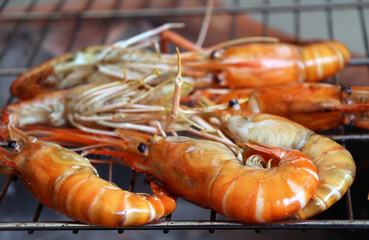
[(67, 183)]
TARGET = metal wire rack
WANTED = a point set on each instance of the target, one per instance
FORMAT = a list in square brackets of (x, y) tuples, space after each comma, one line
[(34, 31)]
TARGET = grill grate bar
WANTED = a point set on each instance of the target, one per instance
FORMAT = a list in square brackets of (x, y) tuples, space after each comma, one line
[(14, 31), (45, 30), (363, 28), (110, 22), (265, 18), (170, 12), (297, 20), (3, 4), (191, 225), (78, 26)]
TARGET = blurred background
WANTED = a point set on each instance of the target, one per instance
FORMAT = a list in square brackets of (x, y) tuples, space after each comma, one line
[(33, 31)]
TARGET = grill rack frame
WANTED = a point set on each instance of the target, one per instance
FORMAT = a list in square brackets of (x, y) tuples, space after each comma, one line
[(165, 225)]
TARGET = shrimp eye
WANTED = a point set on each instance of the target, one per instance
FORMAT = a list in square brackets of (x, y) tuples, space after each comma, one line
[(346, 89), (346, 93), (217, 54), (217, 79), (234, 104), (142, 148), (214, 54), (12, 144)]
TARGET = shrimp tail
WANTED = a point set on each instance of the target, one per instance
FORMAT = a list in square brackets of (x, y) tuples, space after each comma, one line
[(323, 60)]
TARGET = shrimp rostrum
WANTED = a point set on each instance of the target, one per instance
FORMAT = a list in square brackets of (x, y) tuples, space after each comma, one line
[(67, 183)]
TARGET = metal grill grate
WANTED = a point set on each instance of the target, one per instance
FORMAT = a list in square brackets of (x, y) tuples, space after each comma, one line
[(34, 31)]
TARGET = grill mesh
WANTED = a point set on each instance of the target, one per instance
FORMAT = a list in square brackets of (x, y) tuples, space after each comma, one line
[(34, 31)]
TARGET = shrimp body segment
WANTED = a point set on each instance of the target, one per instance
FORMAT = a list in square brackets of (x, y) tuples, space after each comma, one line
[(335, 165), (209, 175), (67, 183)]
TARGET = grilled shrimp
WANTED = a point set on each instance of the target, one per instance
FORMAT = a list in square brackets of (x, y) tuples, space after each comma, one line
[(249, 65), (123, 60), (335, 165), (67, 183), (263, 64), (95, 106), (317, 106), (209, 175)]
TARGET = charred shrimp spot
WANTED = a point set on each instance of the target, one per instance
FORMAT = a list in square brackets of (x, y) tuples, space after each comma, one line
[(12, 144), (142, 148), (233, 103)]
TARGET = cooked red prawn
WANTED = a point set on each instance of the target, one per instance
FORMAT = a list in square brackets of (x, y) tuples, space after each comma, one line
[(317, 106), (249, 65), (97, 106), (101, 64), (209, 175), (264, 64), (67, 183), (335, 165)]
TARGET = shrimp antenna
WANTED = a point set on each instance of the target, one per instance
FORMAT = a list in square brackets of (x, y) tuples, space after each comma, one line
[(15, 133), (150, 33), (205, 23), (241, 41), (177, 93)]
